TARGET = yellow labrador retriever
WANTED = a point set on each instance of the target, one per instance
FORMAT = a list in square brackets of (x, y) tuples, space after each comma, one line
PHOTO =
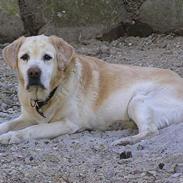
[(62, 92)]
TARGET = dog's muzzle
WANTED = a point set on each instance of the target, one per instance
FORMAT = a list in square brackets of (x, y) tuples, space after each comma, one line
[(34, 75)]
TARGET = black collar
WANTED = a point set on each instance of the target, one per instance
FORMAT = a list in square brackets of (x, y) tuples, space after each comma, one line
[(37, 104)]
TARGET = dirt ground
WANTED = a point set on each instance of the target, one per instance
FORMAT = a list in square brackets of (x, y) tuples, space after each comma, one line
[(88, 156)]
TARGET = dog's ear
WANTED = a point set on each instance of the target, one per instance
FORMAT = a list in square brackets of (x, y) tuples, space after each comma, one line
[(64, 51), (10, 52)]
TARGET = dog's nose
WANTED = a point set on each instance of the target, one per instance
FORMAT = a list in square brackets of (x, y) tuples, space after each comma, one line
[(34, 73), (34, 77)]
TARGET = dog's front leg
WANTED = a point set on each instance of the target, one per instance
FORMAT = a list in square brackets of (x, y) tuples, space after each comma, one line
[(15, 124), (49, 130)]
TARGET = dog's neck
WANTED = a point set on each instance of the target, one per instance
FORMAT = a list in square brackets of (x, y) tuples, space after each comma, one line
[(37, 104)]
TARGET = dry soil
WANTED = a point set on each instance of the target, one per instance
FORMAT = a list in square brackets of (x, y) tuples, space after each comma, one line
[(88, 156)]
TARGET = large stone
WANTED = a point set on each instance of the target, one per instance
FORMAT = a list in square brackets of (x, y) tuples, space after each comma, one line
[(11, 27), (162, 15), (74, 20), (32, 15), (75, 33), (85, 12), (82, 19)]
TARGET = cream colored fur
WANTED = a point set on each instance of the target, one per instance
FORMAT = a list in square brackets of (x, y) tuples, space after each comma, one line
[(91, 93)]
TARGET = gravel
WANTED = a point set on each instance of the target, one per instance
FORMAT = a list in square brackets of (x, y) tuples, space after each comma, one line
[(88, 156)]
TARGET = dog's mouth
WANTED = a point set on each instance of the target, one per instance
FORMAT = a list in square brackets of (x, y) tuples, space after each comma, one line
[(35, 84), (37, 92)]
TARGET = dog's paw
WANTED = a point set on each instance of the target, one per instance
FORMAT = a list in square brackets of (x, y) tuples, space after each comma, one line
[(10, 138), (6, 138), (3, 128), (123, 141)]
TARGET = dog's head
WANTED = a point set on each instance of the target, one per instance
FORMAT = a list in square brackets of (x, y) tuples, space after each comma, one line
[(40, 62)]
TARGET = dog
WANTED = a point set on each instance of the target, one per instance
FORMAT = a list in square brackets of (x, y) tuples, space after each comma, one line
[(62, 92)]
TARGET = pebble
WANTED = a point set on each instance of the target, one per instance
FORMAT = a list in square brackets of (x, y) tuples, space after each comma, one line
[(126, 155), (151, 172), (140, 147), (46, 142), (10, 110), (161, 165), (31, 158)]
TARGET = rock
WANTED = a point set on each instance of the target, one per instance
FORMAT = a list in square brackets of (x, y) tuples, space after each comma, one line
[(137, 28), (151, 173), (113, 34), (161, 165), (31, 158), (32, 15), (80, 20), (11, 27), (126, 155), (163, 16), (73, 34), (74, 21), (140, 147)]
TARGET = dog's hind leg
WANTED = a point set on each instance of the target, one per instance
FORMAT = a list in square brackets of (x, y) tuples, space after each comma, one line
[(141, 113)]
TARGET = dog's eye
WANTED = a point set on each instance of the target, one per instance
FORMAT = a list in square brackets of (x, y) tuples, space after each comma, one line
[(25, 57), (47, 57)]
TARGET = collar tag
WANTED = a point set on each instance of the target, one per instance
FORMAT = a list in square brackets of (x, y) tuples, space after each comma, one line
[(33, 103), (37, 104)]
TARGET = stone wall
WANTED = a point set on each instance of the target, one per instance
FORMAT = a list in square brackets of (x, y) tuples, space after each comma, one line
[(77, 20)]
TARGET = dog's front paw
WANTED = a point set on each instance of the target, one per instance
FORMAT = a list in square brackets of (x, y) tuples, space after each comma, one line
[(6, 138), (11, 138), (3, 128)]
